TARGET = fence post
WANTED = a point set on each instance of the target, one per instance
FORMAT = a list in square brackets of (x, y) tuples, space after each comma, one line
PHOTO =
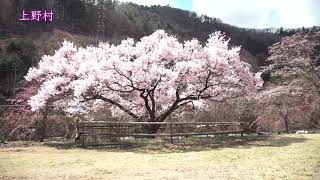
[(241, 129), (83, 134), (207, 129), (14, 82), (171, 130), (171, 136)]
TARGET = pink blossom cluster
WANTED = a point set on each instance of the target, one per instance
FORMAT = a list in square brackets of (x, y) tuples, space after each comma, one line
[(153, 76)]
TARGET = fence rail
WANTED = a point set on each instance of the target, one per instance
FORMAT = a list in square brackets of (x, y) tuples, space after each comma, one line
[(102, 132)]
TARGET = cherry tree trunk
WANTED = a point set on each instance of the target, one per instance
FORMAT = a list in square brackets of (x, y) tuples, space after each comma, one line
[(286, 123), (43, 122), (152, 129)]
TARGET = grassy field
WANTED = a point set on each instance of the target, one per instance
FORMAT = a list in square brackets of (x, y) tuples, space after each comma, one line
[(275, 157)]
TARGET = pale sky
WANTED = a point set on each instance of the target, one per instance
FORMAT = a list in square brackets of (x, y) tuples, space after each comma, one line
[(251, 13)]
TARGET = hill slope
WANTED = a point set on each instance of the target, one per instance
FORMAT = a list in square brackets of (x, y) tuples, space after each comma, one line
[(88, 21)]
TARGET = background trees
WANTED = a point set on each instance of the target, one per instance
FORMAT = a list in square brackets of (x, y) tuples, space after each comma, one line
[(297, 56), (15, 60), (284, 109), (291, 95), (19, 122)]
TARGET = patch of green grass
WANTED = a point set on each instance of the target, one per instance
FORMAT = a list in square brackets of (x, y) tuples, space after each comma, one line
[(275, 157)]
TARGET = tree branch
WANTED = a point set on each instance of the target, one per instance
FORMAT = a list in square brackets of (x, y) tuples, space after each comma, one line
[(117, 105)]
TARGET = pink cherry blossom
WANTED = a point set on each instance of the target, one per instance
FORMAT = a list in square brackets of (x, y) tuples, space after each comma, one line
[(149, 78)]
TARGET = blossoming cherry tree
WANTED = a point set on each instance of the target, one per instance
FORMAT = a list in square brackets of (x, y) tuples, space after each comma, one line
[(148, 79)]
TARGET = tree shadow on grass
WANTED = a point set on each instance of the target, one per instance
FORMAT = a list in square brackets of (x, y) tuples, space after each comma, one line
[(187, 144)]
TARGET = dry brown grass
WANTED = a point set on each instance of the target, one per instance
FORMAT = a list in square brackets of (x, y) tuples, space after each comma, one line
[(278, 157)]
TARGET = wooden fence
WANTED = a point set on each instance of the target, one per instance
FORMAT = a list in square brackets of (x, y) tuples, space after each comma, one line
[(108, 133)]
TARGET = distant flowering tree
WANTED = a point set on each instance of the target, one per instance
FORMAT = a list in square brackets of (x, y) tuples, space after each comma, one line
[(283, 108), (147, 80), (297, 56), (18, 121), (291, 98)]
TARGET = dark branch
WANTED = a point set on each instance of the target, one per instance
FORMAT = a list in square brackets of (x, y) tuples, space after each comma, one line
[(117, 105)]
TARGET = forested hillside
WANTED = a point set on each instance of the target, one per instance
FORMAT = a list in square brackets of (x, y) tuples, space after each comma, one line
[(113, 21), (109, 20), (23, 43)]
